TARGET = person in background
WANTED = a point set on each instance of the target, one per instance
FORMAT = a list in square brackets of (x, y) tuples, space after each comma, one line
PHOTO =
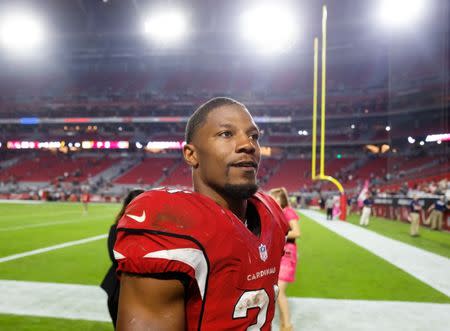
[(85, 199), (349, 205), (336, 208), (111, 283), (366, 211), (437, 210), (288, 264), (414, 216), (329, 204)]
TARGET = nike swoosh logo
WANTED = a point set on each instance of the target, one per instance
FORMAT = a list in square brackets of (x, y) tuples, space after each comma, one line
[(139, 219)]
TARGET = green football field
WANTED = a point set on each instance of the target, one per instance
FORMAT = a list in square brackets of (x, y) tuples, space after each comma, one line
[(330, 266)]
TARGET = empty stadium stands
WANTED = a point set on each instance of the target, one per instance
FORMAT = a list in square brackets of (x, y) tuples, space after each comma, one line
[(48, 168), (147, 172)]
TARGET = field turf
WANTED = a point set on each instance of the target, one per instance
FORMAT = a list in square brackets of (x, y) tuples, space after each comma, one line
[(437, 242), (330, 266)]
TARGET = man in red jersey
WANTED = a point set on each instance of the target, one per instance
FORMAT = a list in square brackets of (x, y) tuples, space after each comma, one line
[(208, 259), (85, 198)]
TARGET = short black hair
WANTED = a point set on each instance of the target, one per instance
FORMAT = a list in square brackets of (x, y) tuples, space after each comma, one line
[(199, 116)]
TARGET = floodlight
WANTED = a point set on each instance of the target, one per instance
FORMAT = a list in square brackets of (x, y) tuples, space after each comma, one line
[(270, 28), (422, 143), (400, 13), (21, 32), (385, 148), (411, 140), (436, 137), (167, 26), (388, 128)]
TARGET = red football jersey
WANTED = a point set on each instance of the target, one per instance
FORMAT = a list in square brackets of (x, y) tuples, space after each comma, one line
[(233, 273)]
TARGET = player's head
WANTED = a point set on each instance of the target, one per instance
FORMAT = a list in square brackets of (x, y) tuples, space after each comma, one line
[(130, 196), (281, 196), (198, 118), (222, 148)]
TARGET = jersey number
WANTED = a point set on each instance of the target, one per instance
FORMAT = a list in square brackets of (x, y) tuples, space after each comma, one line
[(252, 299)]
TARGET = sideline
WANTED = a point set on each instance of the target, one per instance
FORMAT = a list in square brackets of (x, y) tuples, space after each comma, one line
[(25, 202), (85, 302), (428, 267), (51, 248)]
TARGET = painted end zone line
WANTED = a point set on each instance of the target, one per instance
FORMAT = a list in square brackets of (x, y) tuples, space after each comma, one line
[(51, 248)]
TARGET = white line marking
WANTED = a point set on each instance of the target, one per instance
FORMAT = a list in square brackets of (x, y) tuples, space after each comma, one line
[(85, 302), (11, 217), (69, 301), (22, 202), (428, 267), (36, 225), (51, 248)]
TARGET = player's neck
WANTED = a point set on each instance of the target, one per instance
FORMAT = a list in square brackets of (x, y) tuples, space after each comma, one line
[(239, 208), (236, 206)]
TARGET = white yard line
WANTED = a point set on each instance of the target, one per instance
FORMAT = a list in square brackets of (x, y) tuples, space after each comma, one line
[(89, 303), (309, 314), (51, 248), (428, 267), (38, 225), (11, 216), (22, 202), (53, 300)]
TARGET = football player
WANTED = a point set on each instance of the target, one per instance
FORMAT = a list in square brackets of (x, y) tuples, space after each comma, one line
[(207, 259)]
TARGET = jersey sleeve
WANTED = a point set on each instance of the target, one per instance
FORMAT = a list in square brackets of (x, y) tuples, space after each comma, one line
[(152, 239)]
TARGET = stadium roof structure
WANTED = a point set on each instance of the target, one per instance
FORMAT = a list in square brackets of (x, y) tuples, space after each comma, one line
[(115, 28)]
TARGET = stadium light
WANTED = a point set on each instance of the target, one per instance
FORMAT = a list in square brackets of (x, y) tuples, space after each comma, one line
[(436, 137), (400, 13), (271, 29), (167, 27), (21, 32)]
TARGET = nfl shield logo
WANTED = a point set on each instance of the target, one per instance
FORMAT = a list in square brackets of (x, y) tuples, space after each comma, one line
[(263, 252)]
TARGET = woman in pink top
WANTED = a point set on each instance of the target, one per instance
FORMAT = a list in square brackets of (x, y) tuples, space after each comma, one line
[(289, 260)]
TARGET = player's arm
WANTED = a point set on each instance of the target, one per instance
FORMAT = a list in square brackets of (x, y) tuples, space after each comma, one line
[(294, 231), (150, 304)]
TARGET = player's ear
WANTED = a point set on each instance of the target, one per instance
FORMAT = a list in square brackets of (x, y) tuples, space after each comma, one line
[(190, 155)]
